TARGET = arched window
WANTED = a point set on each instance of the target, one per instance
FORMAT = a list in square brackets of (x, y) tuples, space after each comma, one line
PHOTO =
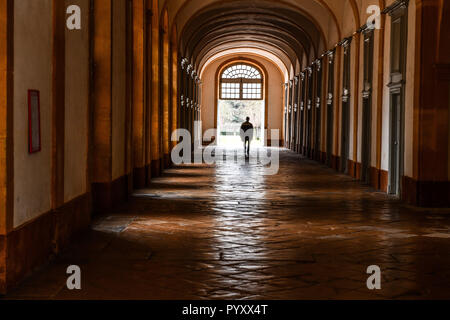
[(241, 82)]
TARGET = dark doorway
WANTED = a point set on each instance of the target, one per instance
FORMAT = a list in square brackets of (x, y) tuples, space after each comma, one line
[(396, 144), (302, 113), (367, 107), (286, 103), (345, 132), (330, 113), (318, 109), (366, 140), (309, 112), (345, 146), (290, 115), (399, 32), (295, 115)]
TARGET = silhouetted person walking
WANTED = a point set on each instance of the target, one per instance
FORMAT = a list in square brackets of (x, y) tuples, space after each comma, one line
[(247, 135)]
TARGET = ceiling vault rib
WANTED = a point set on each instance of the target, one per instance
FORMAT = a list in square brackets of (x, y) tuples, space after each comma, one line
[(286, 30)]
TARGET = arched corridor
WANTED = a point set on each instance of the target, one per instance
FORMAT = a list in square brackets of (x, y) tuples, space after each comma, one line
[(113, 115)]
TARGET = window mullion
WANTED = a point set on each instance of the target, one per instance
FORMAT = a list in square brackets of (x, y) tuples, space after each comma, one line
[(241, 81)]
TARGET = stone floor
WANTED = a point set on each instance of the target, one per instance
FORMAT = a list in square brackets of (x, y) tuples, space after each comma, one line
[(229, 232)]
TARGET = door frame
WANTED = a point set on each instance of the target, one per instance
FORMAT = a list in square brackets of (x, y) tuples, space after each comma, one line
[(345, 112), (366, 147), (399, 14), (330, 108)]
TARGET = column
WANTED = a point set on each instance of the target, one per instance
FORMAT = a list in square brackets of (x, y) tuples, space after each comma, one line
[(286, 103), (6, 133), (155, 118), (102, 113), (430, 184), (138, 92)]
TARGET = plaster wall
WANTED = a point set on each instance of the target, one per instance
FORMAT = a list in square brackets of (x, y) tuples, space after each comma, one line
[(32, 70)]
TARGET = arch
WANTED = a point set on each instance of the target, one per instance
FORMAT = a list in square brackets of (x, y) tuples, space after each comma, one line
[(287, 5), (248, 61), (333, 15), (322, 3), (241, 71), (272, 37), (267, 23), (280, 62), (266, 46), (241, 81), (356, 17)]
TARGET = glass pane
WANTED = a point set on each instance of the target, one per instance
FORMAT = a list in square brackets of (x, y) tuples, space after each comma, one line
[(241, 71)]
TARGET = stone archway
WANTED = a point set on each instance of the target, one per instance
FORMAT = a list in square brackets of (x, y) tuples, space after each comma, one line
[(265, 91)]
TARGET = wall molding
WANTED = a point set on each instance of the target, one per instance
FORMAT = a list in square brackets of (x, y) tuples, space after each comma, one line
[(106, 195), (395, 7), (430, 194)]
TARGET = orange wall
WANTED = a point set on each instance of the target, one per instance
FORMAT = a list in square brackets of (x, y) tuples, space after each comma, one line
[(118, 88)]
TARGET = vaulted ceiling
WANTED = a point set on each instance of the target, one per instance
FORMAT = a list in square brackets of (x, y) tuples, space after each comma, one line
[(265, 24), (296, 31)]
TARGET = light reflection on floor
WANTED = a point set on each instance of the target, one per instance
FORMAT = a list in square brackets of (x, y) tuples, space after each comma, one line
[(226, 231)]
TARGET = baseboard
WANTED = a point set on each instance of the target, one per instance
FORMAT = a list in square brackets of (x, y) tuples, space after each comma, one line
[(351, 168), (323, 157), (374, 178), (139, 177), (108, 194), (384, 181), (432, 194), (26, 248), (72, 218), (271, 144), (335, 162), (379, 179), (358, 170), (156, 168), (166, 161)]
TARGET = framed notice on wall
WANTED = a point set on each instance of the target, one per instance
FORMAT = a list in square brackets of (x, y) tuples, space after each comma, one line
[(34, 121)]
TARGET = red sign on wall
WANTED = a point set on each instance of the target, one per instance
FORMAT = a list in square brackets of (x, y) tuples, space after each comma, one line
[(34, 121)]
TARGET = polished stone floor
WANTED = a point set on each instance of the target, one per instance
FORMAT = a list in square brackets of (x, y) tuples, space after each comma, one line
[(229, 232)]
